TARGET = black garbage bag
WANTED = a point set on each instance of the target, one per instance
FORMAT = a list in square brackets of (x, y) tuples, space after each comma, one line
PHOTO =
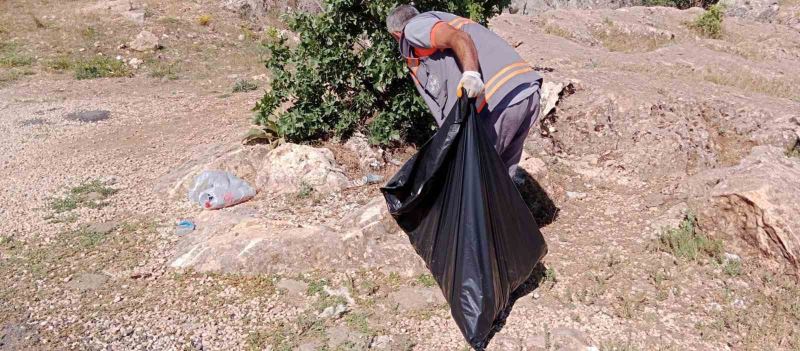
[(467, 220)]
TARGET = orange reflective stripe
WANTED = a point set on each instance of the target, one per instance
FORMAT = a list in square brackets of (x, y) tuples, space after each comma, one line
[(454, 20), (492, 85), (488, 95), (502, 72), (461, 24), (500, 83), (458, 22)]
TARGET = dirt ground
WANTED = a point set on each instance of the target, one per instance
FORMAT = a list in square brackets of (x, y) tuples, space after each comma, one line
[(86, 240)]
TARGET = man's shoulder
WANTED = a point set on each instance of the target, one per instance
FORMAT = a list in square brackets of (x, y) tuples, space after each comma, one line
[(438, 15)]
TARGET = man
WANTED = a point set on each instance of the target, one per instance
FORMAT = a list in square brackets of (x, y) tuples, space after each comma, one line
[(445, 53)]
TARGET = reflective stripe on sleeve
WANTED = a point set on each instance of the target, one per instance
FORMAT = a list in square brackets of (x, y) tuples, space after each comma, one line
[(459, 22), (493, 84)]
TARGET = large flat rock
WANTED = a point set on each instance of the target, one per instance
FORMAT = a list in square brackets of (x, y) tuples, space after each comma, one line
[(226, 241)]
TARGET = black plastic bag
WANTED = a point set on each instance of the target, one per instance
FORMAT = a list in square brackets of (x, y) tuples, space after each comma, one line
[(467, 220)]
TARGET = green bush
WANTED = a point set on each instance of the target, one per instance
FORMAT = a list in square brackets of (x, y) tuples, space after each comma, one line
[(709, 24), (345, 73)]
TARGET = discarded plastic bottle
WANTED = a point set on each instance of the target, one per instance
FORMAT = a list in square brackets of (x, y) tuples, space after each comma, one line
[(218, 189)]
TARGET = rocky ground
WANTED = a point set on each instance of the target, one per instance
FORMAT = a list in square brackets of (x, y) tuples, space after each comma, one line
[(653, 122)]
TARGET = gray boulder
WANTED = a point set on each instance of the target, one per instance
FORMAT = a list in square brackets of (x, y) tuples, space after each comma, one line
[(758, 10), (144, 41), (290, 167), (369, 158)]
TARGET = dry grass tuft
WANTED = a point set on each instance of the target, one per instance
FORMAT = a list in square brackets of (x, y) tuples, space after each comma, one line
[(793, 150), (748, 81), (553, 29), (618, 39), (163, 69), (204, 20)]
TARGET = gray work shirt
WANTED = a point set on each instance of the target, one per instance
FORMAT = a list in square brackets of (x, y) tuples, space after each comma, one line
[(436, 72)]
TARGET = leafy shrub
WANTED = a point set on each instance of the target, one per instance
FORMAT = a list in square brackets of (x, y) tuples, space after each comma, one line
[(101, 67), (344, 73), (709, 24)]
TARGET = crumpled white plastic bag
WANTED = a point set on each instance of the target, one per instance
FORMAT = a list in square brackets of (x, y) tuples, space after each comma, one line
[(213, 190)]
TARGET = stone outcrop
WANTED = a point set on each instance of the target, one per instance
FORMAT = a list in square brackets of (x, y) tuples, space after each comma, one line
[(234, 241), (291, 167), (757, 201)]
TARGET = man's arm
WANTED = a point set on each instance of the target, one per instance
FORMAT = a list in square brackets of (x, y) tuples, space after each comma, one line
[(431, 33), (444, 36)]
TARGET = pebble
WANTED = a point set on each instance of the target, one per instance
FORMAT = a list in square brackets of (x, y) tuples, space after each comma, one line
[(576, 195), (732, 257)]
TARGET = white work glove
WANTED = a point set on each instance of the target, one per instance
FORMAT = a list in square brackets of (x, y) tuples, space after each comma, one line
[(471, 81)]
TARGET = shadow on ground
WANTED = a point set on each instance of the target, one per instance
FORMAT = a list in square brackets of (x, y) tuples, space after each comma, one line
[(533, 282), (544, 210), (539, 203)]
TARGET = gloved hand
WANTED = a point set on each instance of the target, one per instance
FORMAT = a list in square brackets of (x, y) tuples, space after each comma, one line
[(471, 81)]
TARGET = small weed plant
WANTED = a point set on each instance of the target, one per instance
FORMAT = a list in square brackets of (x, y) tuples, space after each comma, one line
[(244, 85), (101, 67), (686, 243)]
